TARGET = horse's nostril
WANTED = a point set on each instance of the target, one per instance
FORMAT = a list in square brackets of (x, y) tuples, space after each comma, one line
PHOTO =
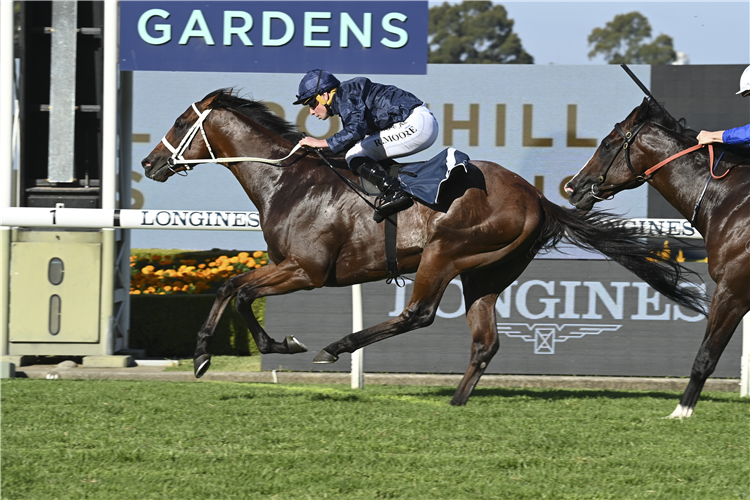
[(145, 163), (569, 189)]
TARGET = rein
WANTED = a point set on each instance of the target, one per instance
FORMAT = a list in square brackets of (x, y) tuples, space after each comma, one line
[(179, 151), (360, 192)]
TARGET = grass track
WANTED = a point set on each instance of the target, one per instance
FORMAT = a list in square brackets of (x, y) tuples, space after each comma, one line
[(114, 440)]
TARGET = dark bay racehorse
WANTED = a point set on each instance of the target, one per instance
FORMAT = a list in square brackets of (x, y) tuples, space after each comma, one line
[(719, 210), (489, 226)]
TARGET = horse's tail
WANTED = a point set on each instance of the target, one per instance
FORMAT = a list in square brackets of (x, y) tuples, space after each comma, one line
[(625, 244)]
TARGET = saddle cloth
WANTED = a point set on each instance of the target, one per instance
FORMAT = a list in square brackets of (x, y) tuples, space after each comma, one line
[(423, 180)]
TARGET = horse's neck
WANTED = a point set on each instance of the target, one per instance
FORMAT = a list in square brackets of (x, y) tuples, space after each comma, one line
[(680, 181), (259, 180)]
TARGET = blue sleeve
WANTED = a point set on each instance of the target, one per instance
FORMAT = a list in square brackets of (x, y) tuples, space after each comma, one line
[(739, 135), (352, 111)]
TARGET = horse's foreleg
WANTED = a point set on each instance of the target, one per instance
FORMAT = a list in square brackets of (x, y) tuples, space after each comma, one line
[(264, 281), (726, 313), (201, 358), (244, 306)]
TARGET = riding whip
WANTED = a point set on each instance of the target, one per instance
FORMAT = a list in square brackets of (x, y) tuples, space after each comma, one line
[(641, 85)]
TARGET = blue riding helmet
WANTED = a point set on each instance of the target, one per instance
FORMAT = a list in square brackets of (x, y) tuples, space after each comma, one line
[(314, 83)]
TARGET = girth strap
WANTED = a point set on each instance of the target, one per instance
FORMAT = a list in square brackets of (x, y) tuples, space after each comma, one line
[(391, 261)]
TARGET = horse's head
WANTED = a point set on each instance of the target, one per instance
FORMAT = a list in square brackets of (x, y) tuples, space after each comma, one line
[(610, 170), (183, 141), (188, 143)]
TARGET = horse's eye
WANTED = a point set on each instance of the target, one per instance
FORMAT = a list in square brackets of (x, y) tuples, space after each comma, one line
[(605, 145), (179, 124)]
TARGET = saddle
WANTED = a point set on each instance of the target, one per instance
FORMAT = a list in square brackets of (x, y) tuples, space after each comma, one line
[(422, 180)]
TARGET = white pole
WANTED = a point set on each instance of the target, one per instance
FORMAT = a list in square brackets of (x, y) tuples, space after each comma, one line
[(6, 102), (358, 373), (109, 108), (109, 170), (745, 362), (7, 65), (97, 218)]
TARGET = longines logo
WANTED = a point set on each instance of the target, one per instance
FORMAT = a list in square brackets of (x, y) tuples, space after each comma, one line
[(568, 300), (546, 335), (548, 312)]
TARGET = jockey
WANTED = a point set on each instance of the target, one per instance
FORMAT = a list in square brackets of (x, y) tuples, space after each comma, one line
[(738, 135), (378, 122)]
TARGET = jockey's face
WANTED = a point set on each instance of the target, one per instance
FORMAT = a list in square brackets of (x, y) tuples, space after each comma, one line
[(319, 110)]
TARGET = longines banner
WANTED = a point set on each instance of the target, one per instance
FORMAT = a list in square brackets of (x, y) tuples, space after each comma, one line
[(274, 37), (559, 318)]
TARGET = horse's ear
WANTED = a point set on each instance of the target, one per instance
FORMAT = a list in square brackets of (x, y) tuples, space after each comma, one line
[(643, 110), (209, 103)]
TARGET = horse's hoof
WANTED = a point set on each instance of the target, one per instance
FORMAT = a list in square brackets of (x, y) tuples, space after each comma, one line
[(324, 358), (294, 345), (201, 365)]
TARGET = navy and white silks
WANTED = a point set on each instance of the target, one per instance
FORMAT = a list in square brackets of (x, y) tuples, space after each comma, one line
[(380, 121)]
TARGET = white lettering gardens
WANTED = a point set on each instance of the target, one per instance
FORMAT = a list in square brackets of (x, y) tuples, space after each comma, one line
[(275, 29)]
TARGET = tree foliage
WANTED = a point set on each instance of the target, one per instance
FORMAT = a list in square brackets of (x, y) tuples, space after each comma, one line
[(623, 40), (474, 33)]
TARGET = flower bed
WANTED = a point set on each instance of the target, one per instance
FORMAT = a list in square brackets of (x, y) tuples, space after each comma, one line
[(172, 294), (188, 272)]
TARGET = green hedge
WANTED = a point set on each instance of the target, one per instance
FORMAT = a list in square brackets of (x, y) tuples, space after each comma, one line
[(166, 326)]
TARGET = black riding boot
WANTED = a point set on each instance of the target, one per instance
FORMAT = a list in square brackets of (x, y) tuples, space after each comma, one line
[(395, 198)]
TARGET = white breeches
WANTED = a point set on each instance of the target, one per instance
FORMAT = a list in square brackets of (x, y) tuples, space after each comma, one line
[(417, 133)]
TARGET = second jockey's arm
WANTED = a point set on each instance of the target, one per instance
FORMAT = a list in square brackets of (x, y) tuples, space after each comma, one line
[(706, 137), (312, 142)]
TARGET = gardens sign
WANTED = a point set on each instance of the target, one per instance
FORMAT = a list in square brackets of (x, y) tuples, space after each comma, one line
[(274, 37)]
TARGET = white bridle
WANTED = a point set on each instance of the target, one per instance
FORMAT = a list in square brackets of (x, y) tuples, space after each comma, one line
[(179, 151)]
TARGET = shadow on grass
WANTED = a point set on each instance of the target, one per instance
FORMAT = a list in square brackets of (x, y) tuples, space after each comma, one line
[(562, 394)]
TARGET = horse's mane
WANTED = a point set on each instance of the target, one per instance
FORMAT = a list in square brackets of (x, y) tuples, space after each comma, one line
[(256, 111), (661, 117), (657, 114)]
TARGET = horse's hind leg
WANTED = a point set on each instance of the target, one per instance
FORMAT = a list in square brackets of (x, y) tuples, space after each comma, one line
[(432, 278), (481, 289), (727, 311)]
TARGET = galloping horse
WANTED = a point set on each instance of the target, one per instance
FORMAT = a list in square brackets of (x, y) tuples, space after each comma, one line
[(634, 153), (488, 225)]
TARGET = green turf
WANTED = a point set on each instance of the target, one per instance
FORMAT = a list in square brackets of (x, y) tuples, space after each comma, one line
[(222, 364), (112, 440)]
